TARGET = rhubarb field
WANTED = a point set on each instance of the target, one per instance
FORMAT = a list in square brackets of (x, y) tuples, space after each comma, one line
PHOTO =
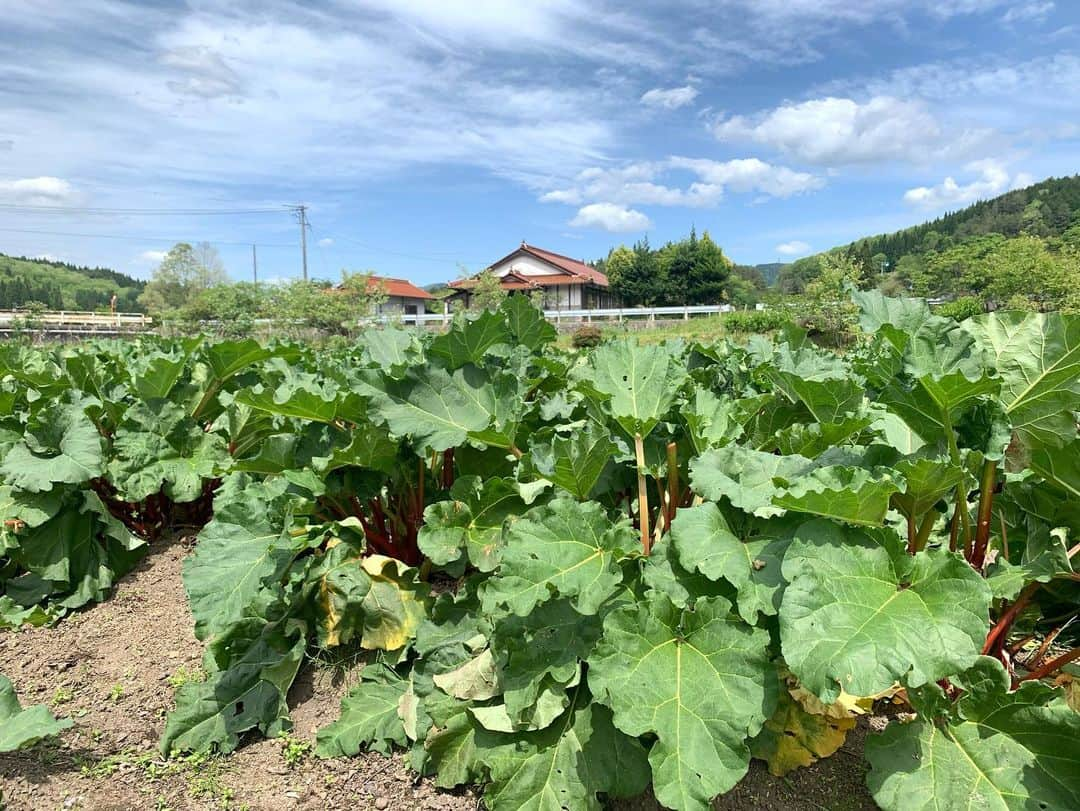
[(576, 574)]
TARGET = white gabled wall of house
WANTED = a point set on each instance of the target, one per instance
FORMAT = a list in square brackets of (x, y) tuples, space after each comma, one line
[(525, 265)]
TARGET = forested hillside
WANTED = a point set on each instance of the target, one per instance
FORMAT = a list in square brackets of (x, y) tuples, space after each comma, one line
[(1020, 249), (61, 286)]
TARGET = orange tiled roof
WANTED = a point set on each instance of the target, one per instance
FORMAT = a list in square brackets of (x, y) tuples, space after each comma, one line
[(574, 271), (400, 287)]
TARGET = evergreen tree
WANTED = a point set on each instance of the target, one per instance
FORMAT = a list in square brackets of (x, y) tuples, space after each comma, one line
[(710, 276), (641, 283)]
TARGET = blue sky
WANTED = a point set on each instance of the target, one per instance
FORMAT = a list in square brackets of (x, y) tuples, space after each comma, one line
[(428, 134)]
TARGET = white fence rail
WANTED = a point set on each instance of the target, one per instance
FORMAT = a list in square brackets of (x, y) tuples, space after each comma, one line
[(577, 316), (73, 321)]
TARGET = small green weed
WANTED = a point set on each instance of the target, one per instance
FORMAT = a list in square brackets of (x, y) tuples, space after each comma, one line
[(62, 695), (294, 750), (184, 676)]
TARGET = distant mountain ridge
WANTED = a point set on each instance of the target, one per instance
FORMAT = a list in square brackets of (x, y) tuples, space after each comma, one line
[(1048, 210), (769, 271), (1045, 209), (63, 286)]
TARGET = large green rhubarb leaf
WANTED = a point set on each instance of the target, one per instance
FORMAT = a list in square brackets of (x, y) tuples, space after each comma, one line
[(546, 644), (575, 463), (61, 446), (999, 750), (250, 668), (876, 310), (303, 398), (1060, 467), (527, 323), (370, 716), (232, 565), (766, 484), (704, 542), (80, 552), (640, 383), (926, 481), (710, 420), (700, 681), (859, 614), (436, 408), (565, 548), (391, 349), (471, 522), (146, 463), (470, 338), (1038, 358), (20, 728), (823, 383), (567, 764)]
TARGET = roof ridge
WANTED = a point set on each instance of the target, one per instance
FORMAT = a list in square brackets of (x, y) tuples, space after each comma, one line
[(553, 253)]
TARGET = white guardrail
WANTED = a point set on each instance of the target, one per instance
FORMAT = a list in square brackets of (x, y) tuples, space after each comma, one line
[(76, 319), (588, 316)]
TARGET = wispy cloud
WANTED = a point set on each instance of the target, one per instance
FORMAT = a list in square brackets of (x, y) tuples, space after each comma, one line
[(671, 98), (1030, 11), (656, 182), (153, 257)]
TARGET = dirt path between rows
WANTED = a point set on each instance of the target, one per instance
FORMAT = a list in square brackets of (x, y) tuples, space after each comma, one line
[(114, 669)]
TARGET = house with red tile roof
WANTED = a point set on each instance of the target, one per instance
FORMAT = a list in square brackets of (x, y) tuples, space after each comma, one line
[(563, 282), (402, 296)]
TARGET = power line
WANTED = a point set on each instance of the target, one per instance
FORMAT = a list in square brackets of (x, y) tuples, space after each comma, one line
[(140, 239), (155, 212)]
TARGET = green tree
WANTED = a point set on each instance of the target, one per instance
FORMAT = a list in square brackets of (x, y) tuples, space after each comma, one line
[(830, 310), (232, 308), (182, 275), (642, 283), (1023, 273), (711, 280), (321, 306), (794, 277), (676, 260), (488, 293), (617, 263)]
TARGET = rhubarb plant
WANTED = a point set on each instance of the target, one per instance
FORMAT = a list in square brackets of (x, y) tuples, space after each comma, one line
[(573, 574)]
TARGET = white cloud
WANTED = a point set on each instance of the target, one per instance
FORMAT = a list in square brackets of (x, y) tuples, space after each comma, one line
[(671, 98), (1030, 11), (203, 72), (154, 257), (325, 242), (38, 191), (835, 131), (610, 217), (794, 248), (654, 183), (750, 175), (1045, 79), (994, 179)]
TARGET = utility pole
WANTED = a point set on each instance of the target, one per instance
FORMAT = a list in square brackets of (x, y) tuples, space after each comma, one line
[(254, 266), (302, 215)]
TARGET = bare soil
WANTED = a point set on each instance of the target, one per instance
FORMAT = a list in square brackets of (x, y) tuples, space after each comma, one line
[(114, 669)]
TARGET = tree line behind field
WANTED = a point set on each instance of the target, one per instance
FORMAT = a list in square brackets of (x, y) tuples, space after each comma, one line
[(690, 271), (63, 286), (1020, 250)]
